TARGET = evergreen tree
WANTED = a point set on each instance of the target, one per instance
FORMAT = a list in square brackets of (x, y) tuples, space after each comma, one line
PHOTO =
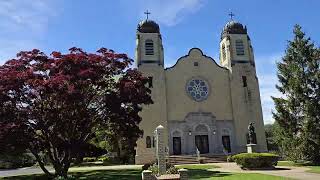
[(270, 130), (298, 110)]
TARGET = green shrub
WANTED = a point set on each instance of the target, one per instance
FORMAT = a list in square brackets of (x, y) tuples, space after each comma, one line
[(89, 159), (16, 161), (256, 160), (230, 158), (170, 169), (104, 158), (154, 169)]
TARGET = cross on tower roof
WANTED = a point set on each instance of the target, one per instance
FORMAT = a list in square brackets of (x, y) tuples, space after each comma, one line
[(231, 15), (147, 13)]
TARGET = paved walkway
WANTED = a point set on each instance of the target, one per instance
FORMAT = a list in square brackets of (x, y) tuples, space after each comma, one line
[(284, 171), (37, 170)]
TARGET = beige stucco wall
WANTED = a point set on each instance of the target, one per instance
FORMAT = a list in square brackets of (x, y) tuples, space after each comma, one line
[(246, 104), (179, 103), (152, 115)]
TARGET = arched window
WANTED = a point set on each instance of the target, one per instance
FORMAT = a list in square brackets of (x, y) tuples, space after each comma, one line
[(239, 47), (223, 49), (149, 47), (148, 142)]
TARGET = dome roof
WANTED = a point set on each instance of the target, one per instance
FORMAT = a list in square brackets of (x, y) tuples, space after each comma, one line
[(234, 27), (148, 26)]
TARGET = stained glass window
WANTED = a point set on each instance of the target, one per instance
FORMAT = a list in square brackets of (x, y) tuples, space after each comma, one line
[(197, 89)]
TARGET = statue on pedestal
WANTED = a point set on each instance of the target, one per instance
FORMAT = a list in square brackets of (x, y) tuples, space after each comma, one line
[(251, 133)]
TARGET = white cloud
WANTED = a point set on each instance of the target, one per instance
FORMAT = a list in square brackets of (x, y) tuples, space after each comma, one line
[(23, 23), (171, 12), (266, 70)]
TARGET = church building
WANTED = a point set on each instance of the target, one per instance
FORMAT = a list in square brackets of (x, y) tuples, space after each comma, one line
[(201, 104)]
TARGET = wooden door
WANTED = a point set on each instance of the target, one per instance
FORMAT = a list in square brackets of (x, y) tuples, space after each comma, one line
[(176, 145)]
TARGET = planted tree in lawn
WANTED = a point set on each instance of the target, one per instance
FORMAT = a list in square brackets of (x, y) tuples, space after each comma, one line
[(298, 110), (52, 104)]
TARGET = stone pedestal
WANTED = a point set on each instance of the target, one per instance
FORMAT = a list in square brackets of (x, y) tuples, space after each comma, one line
[(147, 175), (251, 148), (160, 149)]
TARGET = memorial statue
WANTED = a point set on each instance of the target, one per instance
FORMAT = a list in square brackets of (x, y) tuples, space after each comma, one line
[(251, 133)]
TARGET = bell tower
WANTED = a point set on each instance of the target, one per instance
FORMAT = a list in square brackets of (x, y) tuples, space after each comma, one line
[(236, 54), (149, 49), (149, 61), (235, 45)]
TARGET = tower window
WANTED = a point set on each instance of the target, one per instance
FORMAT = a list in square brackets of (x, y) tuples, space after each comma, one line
[(223, 49), (244, 81), (149, 47), (239, 47), (148, 142)]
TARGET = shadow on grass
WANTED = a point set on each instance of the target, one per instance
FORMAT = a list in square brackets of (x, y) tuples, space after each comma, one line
[(202, 173), (110, 174), (124, 174), (266, 169)]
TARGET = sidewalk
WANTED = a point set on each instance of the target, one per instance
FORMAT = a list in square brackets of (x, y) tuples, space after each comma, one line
[(284, 171)]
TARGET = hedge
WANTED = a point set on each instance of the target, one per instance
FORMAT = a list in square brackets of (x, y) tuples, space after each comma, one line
[(16, 161), (256, 160)]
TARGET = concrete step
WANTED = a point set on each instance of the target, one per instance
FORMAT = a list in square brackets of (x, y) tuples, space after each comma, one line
[(188, 159)]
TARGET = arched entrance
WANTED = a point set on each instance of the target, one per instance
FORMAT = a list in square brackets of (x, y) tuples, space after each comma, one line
[(202, 139)]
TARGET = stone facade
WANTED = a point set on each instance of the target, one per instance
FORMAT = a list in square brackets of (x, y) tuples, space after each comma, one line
[(199, 103)]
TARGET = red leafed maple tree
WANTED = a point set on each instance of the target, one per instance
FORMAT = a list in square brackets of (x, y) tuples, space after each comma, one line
[(52, 104)]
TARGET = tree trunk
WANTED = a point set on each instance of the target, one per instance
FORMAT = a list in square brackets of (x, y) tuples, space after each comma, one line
[(41, 164)]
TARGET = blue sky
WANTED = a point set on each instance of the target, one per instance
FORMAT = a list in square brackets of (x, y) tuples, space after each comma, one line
[(58, 25)]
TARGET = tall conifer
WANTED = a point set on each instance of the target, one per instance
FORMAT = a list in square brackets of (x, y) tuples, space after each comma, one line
[(298, 110)]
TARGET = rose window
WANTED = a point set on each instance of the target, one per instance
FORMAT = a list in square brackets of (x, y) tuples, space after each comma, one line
[(198, 89)]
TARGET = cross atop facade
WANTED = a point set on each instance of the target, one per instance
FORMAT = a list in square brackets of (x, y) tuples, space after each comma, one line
[(147, 13), (231, 15)]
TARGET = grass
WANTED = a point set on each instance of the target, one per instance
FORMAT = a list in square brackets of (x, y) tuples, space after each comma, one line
[(197, 166), (313, 169), (206, 171), (196, 172)]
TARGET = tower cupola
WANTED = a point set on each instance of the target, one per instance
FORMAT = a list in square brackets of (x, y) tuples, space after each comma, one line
[(149, 49), (235, 45), (148, 26), (233, 27)]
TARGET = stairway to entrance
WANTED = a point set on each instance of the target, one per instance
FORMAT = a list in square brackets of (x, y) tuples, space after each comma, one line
[(191, 159)]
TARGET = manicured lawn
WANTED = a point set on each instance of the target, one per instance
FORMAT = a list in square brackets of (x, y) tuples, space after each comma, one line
[(198, 172), (290, 163), (207, 175), (313, 169), (197, 166), (207, 171)]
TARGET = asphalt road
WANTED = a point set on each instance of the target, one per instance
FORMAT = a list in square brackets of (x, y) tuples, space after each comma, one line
[(23, 171)]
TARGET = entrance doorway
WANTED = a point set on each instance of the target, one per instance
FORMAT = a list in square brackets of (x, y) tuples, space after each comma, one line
[(176, 145), (226, 143), (202, 143)]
